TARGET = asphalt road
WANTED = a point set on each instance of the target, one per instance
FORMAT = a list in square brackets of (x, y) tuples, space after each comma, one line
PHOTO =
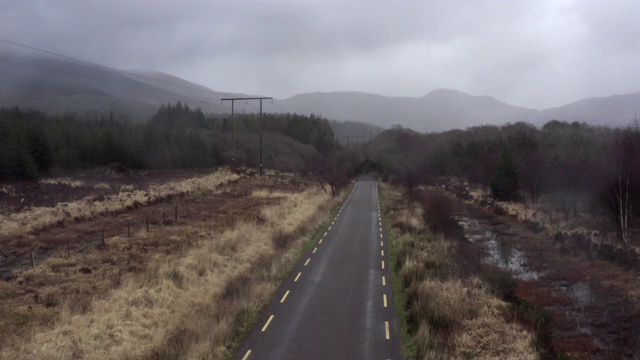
[(338, 301)]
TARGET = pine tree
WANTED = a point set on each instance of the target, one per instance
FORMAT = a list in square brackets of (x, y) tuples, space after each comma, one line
[(504, 185)]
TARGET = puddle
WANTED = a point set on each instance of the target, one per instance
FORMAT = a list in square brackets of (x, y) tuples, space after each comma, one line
[(499, 253), (582, 293), (604, 322)]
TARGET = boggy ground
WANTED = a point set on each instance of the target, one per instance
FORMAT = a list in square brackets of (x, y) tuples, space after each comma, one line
[(184, 288), (589, 308)]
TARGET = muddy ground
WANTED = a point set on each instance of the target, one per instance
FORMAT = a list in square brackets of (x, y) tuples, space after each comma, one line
[(593, 304)]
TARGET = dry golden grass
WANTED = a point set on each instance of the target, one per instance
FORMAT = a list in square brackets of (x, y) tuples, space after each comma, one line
[(450, 316), (40, 217), (189, 304)]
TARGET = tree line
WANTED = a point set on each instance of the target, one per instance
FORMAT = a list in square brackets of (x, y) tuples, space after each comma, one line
[(574, 166), (33, 143)]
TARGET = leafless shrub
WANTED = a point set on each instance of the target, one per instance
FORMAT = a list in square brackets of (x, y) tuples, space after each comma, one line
[(438, 213)]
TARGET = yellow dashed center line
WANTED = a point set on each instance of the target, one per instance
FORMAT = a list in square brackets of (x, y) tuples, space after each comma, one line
[(307, 262), (246, 355), (314, 250), (384, 300), (382, 264), (325, 234), (386, 330), (297, 277), (320, 242), (382, 252), (384, 281), (381, 243), (264, 328), (380, 228), (287, 294)]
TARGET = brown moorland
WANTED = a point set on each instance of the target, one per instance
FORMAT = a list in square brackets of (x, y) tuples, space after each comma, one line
[(186, 288), (582, 303)]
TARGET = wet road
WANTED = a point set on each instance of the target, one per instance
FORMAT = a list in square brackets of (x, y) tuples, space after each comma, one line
[(337, 302)]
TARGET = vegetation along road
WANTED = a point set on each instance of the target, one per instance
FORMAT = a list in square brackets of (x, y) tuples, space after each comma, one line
[(337, 302)]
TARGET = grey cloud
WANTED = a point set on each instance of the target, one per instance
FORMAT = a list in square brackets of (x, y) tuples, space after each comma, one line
[(531, 53)]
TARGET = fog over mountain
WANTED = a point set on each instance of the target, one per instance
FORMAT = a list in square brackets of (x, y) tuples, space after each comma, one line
[(57, 85)]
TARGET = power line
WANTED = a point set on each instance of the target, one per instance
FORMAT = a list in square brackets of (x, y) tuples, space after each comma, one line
[(157, 90), (160, 93)]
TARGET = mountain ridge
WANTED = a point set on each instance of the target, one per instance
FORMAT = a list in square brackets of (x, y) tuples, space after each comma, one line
[(60, 85)]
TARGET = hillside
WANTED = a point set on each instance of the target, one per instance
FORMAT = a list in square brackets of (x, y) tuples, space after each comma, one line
[(616, 110), (437, 111), (349, 132), (56, 85)]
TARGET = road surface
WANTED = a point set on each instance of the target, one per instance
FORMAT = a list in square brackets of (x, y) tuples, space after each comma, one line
[(337, 302)]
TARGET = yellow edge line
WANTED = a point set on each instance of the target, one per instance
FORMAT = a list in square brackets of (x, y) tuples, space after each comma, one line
[(287, 294), (267, 324)]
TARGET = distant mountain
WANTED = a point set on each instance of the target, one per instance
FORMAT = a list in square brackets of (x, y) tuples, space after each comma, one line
[(354, 132), (617, 110), (444, 109), (437, 111), (56, 85)]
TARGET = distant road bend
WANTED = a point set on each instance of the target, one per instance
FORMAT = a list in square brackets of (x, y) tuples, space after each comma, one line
[(338, 301)]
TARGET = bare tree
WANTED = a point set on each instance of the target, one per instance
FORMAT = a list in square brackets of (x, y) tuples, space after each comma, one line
[(621, 181)]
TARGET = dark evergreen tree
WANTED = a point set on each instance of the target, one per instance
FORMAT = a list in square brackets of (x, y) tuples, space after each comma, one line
[(504, 185)]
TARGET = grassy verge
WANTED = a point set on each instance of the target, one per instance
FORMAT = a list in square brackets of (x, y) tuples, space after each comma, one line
[(400, 300), (446, 313)]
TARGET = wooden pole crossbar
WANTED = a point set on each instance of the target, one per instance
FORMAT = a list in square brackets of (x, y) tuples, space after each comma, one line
[(232, 126)]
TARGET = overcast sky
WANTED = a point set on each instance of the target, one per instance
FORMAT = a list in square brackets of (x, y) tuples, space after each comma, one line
[(534, 53)]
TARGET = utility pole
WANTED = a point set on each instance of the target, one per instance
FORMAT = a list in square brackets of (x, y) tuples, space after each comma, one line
[(232, 131)]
